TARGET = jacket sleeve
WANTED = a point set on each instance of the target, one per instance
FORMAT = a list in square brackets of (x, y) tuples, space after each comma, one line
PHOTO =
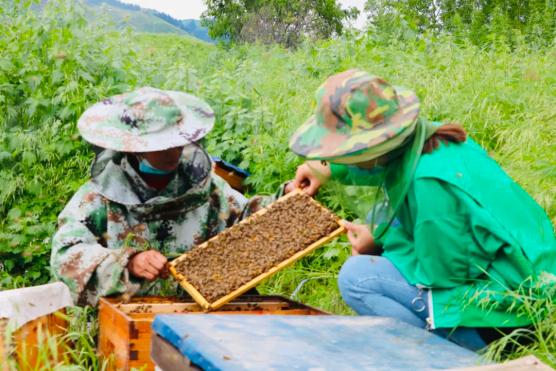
[(78, 257), (452, 237), (234, 206)]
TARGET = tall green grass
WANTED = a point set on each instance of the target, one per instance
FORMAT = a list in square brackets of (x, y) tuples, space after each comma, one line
[(540, 338), (55, 66), (52, 66)]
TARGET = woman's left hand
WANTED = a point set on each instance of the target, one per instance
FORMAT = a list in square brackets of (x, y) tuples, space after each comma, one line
[(362, 241)]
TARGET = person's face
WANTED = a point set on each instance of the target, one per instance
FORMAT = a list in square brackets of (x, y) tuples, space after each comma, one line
[(167, 160)]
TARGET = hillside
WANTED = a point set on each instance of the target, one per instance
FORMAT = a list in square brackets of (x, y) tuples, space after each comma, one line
[(147, 20)]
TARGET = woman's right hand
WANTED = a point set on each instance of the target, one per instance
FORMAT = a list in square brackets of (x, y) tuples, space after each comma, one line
[(310, 177), (148, 264), (361, 239)]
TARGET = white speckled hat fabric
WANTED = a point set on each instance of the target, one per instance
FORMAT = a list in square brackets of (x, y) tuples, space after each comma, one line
[(146, 120)]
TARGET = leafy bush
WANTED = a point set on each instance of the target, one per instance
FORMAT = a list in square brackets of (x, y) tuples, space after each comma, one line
[(484, 23), (275, 22), (54, 64)]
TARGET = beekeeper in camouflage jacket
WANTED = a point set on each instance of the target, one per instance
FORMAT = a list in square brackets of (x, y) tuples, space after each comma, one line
[(152, 196)]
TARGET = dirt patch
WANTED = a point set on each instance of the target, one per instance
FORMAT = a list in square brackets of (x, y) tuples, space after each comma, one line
[(246, 250)]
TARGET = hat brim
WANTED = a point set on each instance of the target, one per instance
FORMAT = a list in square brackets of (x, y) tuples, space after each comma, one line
[(314, 141), (195, 124)]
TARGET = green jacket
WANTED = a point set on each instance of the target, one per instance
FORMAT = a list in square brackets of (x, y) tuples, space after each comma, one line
[(469, 233)]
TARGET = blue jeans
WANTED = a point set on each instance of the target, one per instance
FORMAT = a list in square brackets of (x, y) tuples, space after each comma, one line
[(372, 286)]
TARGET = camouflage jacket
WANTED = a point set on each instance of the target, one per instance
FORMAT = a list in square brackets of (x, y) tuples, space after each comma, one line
[(116, 214)]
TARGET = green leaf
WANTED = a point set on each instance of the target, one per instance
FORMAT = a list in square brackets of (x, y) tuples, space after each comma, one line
[(28, 158), (14, 213), (8, 264), (331, 253)]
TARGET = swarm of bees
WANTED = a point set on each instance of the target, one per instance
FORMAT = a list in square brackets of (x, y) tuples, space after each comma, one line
[(250, 248)]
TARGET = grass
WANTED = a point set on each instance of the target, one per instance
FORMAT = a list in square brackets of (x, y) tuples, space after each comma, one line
[(538, 340), (55, 67), (74, 350)]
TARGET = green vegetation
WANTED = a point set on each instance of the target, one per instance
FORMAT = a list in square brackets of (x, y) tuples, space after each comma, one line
[(55, 64), (138, 20), (540, 338), (483, 22), (275, 21)]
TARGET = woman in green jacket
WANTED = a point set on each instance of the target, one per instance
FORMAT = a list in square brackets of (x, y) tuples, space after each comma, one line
[(458, 236)]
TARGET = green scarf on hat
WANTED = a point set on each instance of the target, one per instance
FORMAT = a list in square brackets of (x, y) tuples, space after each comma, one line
[(401, 158), (400, 172)]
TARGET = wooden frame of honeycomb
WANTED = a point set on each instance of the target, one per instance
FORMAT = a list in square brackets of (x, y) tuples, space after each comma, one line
[(204, 303)]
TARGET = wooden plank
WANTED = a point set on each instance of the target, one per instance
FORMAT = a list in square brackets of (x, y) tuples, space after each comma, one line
[(273, 306), (191, 290), (530, 363), (198, 297), (4, 344), (150, 317), (167, 358), (113, 339), (160, 308)]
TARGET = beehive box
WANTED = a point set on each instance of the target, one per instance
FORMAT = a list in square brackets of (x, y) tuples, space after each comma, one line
[(239, 258), (301, 343), (125, 328), (32, 325), (34, 338), (4, 351), (230, 173)]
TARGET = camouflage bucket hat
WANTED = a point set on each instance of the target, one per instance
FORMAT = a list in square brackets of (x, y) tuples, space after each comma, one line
[(146, 120), (355, 111)]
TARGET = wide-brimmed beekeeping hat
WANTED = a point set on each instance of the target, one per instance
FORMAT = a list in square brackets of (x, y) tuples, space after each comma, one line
[(146, 120)]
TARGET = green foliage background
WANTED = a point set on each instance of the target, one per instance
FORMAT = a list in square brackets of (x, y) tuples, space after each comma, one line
[(54, 64), (483, 22), (278, 21)]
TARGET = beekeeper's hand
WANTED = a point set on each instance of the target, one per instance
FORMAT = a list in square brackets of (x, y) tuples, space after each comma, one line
[(148, 264), (310, 177), (362, 241)]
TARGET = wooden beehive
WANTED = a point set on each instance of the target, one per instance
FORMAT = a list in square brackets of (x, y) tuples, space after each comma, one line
[(4, 351), (205, 304), (233, 176), (34, 336), (31, 336), (125, 328)]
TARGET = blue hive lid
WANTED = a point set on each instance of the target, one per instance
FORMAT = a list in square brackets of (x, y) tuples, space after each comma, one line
[(254, 342)]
